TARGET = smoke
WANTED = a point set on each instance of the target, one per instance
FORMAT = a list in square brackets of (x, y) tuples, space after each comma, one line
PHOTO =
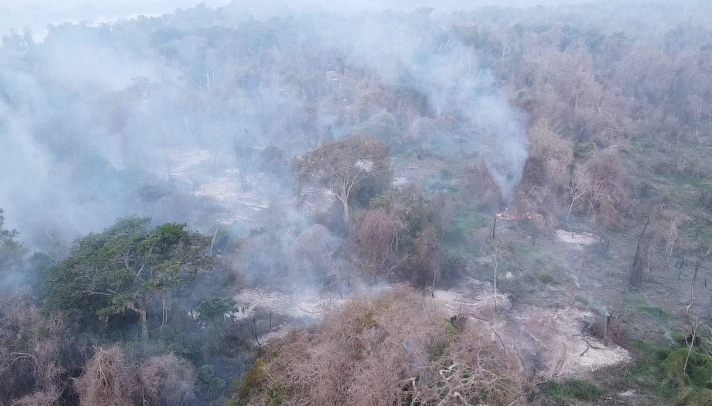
[(145, 116), (427, 57)]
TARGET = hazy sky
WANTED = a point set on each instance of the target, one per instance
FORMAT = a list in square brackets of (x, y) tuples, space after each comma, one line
[(37, 14), (56, 4)]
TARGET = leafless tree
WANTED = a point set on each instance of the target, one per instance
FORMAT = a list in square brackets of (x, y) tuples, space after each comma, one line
[(495, 247), (702, 252), (642, 253)]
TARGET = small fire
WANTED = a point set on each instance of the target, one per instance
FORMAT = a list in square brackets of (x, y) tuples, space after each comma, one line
[(506, 215)]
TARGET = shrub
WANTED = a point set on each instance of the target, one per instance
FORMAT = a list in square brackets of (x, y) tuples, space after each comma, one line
[(167, 380), (393, 349), (109, 379)]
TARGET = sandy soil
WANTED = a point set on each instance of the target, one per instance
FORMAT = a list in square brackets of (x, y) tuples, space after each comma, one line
[(549, 340), (577, 239), (216, 180)]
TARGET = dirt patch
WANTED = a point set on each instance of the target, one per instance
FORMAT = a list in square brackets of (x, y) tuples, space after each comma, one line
[(550, 341), (579, 240), (301, 307), (305, 304)]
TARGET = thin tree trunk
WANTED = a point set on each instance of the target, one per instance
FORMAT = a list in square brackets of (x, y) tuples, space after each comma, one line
[(345, 203)]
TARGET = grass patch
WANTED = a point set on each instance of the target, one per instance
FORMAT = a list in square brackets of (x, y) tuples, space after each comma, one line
[(656, 312), (522, 248), (646, 374), (691, 371), (697, 373), (464, 221), (546, 278), (562, 393), (641, 305)]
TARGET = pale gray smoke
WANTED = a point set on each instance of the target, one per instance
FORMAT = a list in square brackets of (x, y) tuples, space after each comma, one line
[(92, 115)]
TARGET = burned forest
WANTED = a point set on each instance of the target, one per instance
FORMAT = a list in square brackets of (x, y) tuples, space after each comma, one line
[(380, 203)]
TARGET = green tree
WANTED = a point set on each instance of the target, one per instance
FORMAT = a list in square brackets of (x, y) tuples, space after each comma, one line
[(126, 267), (214, 309), (12, 252)]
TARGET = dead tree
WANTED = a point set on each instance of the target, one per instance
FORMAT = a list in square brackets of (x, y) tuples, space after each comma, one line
[(700, 257), (496, 247), (243, 154), (642, 253)]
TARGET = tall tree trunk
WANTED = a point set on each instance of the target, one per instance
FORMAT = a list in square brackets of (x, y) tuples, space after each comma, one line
[(345, 203), (142, 319), (144, 324)]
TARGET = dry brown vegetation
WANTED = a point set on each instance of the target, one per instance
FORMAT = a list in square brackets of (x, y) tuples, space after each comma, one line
[(30, 346), (109, 379), (396, 349), (401, 235), (112, 378), (600, 187), (377, 235), (547, 175), (167, 380)]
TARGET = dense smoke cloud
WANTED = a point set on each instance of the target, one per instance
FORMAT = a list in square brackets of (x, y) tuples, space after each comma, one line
[(457, 88), (94, 119)]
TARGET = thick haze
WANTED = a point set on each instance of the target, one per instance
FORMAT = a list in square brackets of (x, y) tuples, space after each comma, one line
[(100, 121), (38, 14)]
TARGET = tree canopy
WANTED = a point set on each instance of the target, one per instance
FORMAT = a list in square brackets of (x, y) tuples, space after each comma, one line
[(347, 165), (125, 268)]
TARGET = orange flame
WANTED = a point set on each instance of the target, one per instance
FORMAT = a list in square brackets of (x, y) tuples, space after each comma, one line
[(510, 217)]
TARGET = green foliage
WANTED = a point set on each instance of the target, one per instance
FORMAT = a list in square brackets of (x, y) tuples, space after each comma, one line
[(644, 374), (464, 220), (584, 151), (12, 252), (662, 371), (124, 267), (562, 393), (440, 347), (208, 381), (214, 309), (249, 385), (656, 312), (698, 372), (274, 396), (546, 278)]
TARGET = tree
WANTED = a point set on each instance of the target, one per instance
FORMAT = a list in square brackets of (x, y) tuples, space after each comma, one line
[(601, 183), (642, 257), (347, 165), (12, 252), (495, 247), (125, 268)]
